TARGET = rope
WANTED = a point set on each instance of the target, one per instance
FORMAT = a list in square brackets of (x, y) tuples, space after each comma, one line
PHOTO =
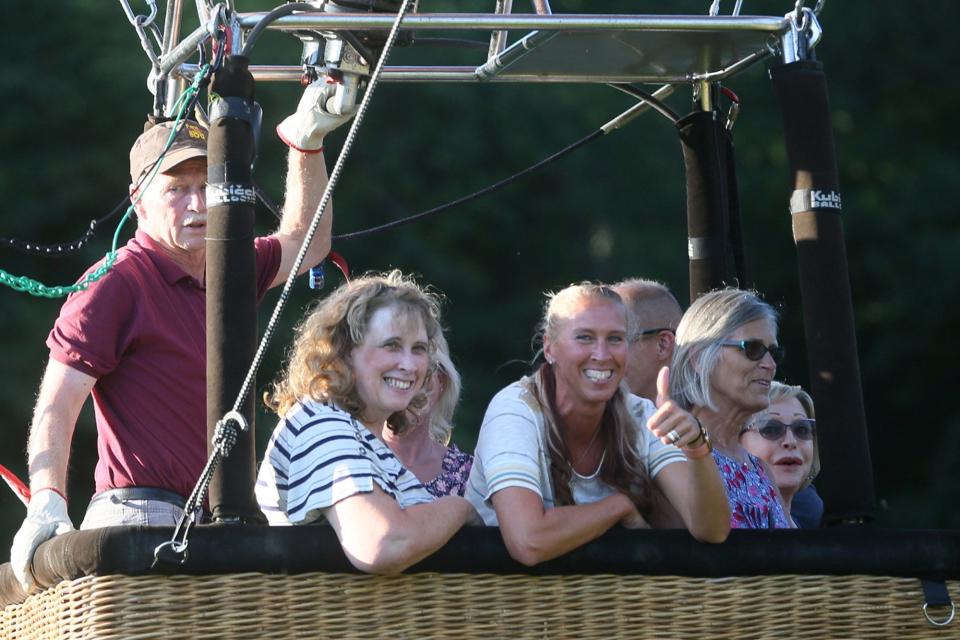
[(225, 435), (311, 231), (476, 194), (648, 100), (25, 284)]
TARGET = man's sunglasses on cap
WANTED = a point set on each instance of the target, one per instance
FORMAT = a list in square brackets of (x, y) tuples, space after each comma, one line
[(755, 349), (774, 430)]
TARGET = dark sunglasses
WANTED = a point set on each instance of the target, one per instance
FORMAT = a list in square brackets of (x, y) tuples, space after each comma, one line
[(803, 429), (755, 349), (649, 332)]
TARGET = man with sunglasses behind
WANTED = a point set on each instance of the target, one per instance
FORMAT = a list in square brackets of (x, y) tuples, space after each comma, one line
[(654, 316)]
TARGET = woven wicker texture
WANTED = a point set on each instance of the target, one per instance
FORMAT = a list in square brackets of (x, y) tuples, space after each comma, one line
[(457, 606)]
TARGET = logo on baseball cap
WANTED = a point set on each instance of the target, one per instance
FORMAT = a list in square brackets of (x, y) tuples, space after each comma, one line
[(190, 142)]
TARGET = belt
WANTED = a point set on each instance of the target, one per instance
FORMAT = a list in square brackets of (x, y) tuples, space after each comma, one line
[(116, 496)]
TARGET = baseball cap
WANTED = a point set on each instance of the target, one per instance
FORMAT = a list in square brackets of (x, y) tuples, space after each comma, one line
[(191, 142)]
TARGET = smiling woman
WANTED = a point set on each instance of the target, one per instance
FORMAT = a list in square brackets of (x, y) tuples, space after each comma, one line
[(567, 453), (724, 363), (359, 363)]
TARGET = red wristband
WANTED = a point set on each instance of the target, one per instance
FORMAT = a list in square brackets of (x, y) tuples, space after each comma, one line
[(54, 489), (295, 147)]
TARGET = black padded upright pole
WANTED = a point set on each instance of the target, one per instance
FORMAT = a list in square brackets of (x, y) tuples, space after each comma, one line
[(231, 291), (846, 478), (733, 203), (701, 136)]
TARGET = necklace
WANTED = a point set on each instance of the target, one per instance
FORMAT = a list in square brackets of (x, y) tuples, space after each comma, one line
[(595, 471), (586, 449)]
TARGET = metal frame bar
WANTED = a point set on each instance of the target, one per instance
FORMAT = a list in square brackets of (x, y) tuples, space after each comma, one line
[(497, 24), (486, 21)]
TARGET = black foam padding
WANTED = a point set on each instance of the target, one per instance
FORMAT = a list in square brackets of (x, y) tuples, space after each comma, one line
[(234, 78), (855, 550), (231, 296), (704, 159), (846, 476), (733, 207)]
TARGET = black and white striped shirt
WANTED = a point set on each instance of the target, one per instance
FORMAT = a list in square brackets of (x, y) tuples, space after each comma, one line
[(319, 455)]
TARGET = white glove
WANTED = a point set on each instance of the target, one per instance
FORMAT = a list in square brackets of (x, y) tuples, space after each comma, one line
[(46, 517), (305, 129)]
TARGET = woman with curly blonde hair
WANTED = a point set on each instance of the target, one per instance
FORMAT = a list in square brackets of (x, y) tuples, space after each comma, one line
[(358, 366)]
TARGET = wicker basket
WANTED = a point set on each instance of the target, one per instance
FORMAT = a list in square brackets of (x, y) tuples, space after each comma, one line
[(457, 606)]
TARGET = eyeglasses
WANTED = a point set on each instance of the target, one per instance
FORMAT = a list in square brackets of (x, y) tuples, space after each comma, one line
[(649, 332), (774, 430), (755, 349)]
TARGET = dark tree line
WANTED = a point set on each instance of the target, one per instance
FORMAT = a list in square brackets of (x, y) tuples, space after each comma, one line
[(73, 95)]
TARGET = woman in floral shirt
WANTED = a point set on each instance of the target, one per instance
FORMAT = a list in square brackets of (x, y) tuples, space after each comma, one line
[(425, 448), (725, 360)]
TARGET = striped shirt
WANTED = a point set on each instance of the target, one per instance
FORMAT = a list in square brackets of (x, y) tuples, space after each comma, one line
[(319, 455), (512, 452)]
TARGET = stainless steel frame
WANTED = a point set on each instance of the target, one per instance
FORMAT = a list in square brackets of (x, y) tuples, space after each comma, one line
[(582, 48)]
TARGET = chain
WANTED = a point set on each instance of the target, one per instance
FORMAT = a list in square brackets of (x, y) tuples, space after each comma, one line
[(141, 24), (715, 8), (36, 288)]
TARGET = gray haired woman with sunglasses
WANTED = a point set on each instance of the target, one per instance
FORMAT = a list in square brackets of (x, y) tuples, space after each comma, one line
[(725, 360), (785, 437)]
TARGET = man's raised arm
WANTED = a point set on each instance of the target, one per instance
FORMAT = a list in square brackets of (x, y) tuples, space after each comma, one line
[(304, 132)]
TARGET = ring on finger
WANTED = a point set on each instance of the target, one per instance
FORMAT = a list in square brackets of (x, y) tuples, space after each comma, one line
[(673, 436)]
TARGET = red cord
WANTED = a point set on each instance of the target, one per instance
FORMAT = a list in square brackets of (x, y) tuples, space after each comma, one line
[(341, 263), (16, 484), (730, 94)]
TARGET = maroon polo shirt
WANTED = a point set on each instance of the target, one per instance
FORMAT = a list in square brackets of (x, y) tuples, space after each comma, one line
[(140, 330)]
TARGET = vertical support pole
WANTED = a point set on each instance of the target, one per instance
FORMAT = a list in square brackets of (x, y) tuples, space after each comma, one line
[(701, 137), (498, 39), (542, 7), (738, 254), (231, 288), (174, 85), (846, 479)]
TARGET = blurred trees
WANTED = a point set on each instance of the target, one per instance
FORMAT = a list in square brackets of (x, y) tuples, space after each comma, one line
[(74, 97)]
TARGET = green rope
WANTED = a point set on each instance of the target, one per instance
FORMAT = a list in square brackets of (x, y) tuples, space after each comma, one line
[(36, 288)]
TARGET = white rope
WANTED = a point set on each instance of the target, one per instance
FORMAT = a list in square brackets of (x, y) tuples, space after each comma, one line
[(331, 184)]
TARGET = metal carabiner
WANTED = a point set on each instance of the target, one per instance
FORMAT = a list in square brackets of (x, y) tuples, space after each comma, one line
[(139, 20)]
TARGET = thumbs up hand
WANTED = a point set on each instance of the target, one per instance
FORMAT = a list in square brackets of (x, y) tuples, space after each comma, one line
[(672, 424)]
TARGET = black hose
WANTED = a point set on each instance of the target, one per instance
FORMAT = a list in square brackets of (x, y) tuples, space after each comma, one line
[(272, 16), (649, 98), (476, 194)]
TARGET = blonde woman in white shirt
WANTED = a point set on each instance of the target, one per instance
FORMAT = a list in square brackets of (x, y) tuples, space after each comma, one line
[(567, 453)]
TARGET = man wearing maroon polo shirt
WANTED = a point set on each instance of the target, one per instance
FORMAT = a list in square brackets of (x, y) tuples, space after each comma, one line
[(135, 339)]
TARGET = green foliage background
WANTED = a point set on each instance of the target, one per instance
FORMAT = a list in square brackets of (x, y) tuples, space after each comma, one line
[(73, 95)]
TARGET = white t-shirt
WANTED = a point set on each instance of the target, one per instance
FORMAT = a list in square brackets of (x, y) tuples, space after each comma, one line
[(512, 452), (319, 455)]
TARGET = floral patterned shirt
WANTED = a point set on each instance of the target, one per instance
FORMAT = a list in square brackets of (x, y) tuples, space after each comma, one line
[(454, 470), (754, 502)]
